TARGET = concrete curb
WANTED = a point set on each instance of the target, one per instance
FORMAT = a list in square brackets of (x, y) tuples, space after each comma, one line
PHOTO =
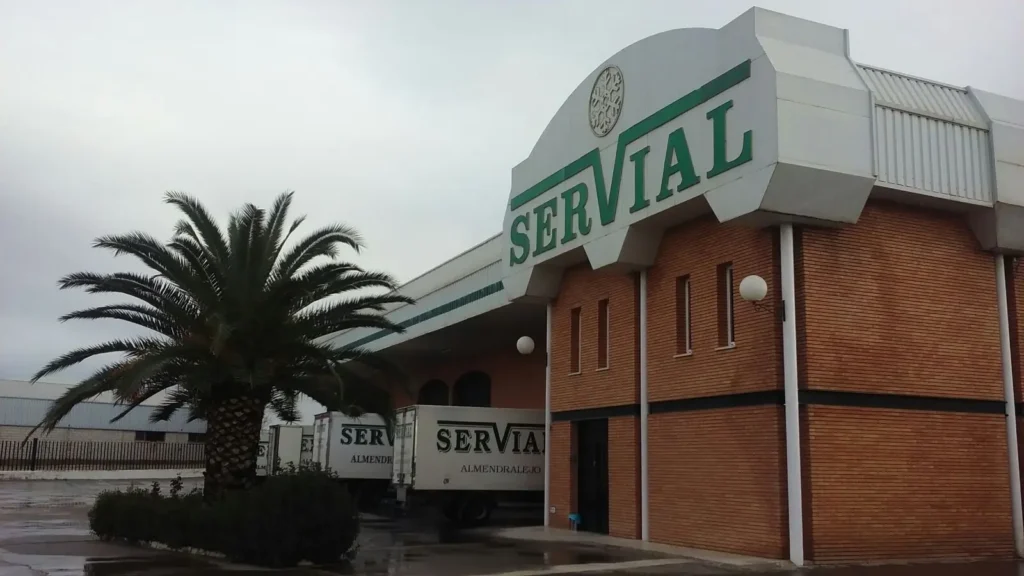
[(100, 474), (541, 534)]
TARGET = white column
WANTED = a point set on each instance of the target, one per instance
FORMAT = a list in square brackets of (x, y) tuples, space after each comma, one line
[(645, 524), (1011, 410), (793, 478), (547, 419)]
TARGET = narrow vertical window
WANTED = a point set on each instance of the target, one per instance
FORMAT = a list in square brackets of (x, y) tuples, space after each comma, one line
[(602, 334), (684, 339), (575, 344), (726, 321)]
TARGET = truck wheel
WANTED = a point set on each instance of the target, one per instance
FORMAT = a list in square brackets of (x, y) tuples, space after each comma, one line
[(451, 510), (475, 510)]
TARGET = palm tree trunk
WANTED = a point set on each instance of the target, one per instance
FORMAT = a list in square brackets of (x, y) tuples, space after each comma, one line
[(232, 442)]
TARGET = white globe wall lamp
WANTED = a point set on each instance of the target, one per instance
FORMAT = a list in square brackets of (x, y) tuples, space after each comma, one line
[(525, 345), (754, 289)]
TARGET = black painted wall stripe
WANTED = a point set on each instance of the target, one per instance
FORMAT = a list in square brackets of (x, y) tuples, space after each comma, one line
[(900, 402), (764, 398), (596, 413), (807, 398)]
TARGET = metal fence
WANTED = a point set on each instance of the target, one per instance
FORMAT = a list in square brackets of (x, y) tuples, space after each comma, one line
[(57, 455)]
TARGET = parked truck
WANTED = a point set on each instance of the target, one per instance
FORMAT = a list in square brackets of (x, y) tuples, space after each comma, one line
[(289, 445), (262, 454), (358, 450), (465, 462)]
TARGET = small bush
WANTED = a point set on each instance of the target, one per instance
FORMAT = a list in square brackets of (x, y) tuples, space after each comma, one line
[(294, 516)]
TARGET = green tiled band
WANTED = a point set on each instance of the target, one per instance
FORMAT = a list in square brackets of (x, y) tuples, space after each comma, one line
[(434, 312)]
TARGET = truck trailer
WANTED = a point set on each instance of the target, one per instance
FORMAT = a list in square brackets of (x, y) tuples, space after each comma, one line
[(289, 445), (358, 449), (263, 454), (465, 461)]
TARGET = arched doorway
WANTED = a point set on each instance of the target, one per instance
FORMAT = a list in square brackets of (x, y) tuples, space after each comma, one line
[(434, 393), (472, 389)]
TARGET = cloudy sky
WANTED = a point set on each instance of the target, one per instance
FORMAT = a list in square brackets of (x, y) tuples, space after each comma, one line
[(402, 118)]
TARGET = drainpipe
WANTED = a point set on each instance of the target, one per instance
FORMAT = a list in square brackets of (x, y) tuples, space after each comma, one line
[(1011, 410), (547, 419), (789, 367), (645, 524)]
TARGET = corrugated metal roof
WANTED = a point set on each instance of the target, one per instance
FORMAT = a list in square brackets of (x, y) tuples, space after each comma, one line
[(922, 96), (93, 415)]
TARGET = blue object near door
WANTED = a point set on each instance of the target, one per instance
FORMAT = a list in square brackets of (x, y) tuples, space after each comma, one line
[(574, 522)]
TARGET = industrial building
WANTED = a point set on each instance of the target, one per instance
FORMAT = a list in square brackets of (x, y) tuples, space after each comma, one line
[(775, 299), (23, 404)]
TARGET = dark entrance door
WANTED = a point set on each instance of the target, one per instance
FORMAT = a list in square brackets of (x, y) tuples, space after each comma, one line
[(592, 475)]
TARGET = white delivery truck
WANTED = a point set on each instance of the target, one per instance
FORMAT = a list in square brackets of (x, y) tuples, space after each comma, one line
[(289, 445), (467, 461), (358, 450), (262, 454)]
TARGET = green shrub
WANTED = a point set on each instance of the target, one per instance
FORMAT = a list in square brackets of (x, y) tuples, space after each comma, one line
[(294, 516), (125, 516)]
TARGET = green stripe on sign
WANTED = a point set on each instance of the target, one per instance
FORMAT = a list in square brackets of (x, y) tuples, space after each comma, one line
[(674, 110), (434, 312)]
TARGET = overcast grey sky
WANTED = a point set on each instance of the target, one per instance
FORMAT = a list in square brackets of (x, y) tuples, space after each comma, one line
[(402, 118)]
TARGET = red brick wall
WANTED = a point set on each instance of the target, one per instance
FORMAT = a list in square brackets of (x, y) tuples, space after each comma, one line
[(716, 476), (624, 477), (891, 484), (563, 481), (593, 387), (903, 302), (697, 249), (517, 381), (716, 480)]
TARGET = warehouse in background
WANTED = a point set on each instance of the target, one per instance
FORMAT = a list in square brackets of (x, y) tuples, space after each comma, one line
[(23, 404)]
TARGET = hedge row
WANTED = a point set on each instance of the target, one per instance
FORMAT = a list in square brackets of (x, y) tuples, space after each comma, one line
[(291, 517)]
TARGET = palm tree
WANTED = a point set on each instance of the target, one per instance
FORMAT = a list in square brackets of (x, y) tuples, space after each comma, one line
[(238, 323)]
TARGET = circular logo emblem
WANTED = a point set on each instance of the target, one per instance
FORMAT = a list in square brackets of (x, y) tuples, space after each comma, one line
[(606, 100)]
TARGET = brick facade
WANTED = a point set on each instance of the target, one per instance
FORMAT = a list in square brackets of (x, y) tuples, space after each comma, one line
[(903, 303), (593, 387), (717, 476), (563, 476), (900, 484), (900, 307), (517, 381), (624, 477), (696, 250), (717, 480)]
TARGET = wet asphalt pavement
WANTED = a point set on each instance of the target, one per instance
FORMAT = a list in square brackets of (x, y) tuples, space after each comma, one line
[(44, 531)]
